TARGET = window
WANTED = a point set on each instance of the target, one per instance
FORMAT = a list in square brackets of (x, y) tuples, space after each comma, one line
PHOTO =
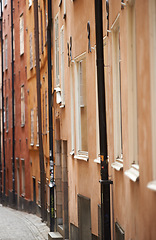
[(21, 34), (5, 2), (56, 52), (117, 111), (37, 142), (43, 111), (7, 114), (41, 33), (30, 3), (23, 177), (133, 172), (39, 193), (46, 20), (22, 106), (64, 16), (6, 52), (62, 66), (31, 50), (13, 43), (72, 107), (152, 23), (32, 126), (81, 112), (46, 109)]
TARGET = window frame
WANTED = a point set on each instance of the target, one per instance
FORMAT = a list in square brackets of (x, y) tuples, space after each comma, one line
[(22, 106), (80, 154), (62, 67), (21, 34), (57, 77), (32, 127)]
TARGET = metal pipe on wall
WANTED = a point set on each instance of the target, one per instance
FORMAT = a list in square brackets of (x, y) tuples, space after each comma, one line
[(105, 183), (52, 183), (13, 126)]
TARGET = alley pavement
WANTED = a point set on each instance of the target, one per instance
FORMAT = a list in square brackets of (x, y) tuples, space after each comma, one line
[(17, 225)]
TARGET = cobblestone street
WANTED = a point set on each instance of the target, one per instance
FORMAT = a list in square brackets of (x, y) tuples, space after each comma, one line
[(21, 225)]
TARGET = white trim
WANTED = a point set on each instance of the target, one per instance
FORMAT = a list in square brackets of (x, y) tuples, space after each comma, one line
[(72, 152), (97, 160), (81, 157), (117, 165), (133, 173), (115, 20), (80, 57), (152, 186)]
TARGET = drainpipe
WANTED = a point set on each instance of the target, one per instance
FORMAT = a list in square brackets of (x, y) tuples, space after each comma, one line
[(13, 127), (105, 183), (38, 85), (52, 183), (4, 172), (0, 113)]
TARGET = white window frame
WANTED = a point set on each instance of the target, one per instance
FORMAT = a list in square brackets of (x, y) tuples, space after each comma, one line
[(117, 108), (72, 109), (133, 171), (5, 3), (7, 114), (6, 52), (32, 127), (46, 111), (152, 23), (39, 193), (62, 67), (21, 34), (57, 78), (22, 106), (30, 3), (23, 176), (82, 155), (37, 126)]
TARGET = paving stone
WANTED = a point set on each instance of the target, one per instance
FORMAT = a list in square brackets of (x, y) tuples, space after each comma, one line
[(21, 225)]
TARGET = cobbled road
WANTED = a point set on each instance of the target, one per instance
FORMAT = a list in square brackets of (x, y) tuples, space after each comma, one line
[(17, 225)]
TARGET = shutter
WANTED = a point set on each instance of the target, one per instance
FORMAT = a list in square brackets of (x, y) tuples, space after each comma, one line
[(21, 35), (81, 83)]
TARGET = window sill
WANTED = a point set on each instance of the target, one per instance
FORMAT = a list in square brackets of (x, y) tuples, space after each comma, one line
[(118, 164), (37, 145), (31, 144), (23, 195), (152, 186), (22, 125), (133, 172), (72, 153), (97, 160), (82, 156), (62, 105)]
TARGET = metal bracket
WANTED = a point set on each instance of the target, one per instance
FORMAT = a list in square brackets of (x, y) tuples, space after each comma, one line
[(106, 181)]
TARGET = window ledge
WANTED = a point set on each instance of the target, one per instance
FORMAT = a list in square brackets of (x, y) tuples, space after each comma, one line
[(82, 157), (37, 145), (97, 160), (62, 105), (31, 144), (133, 172), (72, 153), (152, 186), (118, 164), (22, 125)]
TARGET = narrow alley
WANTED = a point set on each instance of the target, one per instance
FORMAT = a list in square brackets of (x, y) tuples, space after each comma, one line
[(21, 225)]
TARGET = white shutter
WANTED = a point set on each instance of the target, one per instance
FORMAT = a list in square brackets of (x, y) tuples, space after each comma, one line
[(81, 83), (21, 35)]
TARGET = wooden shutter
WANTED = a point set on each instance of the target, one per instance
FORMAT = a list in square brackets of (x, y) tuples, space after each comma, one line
[(22, 106), (31, 50)]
